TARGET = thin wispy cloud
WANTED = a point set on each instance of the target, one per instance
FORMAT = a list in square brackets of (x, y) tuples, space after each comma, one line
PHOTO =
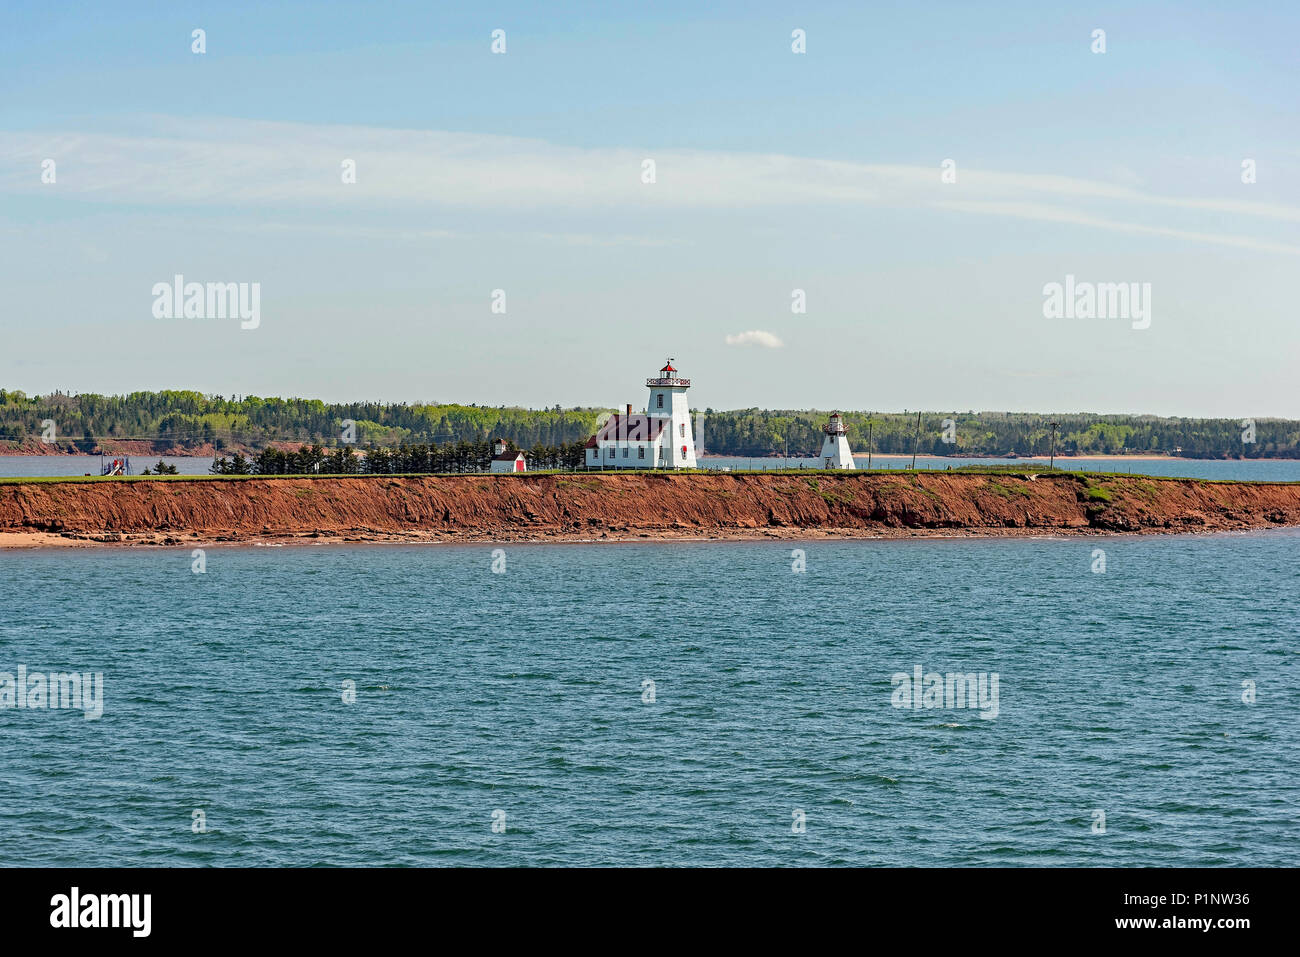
[(1056, 214), (261, 165)]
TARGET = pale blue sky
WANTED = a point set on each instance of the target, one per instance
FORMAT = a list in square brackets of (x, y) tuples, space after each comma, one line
[(775, 171)]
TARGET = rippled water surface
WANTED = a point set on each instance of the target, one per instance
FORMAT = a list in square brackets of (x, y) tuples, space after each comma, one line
[(522, 691)]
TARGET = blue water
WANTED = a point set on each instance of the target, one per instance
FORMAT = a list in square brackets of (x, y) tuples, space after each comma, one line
[(522, 692), (1262, 470), (36, 465)]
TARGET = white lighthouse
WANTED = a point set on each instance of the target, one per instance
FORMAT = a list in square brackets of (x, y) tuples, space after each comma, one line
[(659, 438), (668, 400), (835, 449)]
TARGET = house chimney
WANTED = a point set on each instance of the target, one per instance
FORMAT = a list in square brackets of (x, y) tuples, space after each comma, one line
[(629, 410)]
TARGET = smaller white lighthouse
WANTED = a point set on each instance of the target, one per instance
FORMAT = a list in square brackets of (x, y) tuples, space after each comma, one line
[(835, 450)]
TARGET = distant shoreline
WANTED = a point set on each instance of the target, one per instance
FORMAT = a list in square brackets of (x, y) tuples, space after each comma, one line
[(1134, 456), (35, 452), (1091, 456), (31, 452), (39, 451)]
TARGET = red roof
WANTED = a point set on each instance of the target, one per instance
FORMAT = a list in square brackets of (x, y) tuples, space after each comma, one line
[(508, 456), (638, 427), (668, 368)]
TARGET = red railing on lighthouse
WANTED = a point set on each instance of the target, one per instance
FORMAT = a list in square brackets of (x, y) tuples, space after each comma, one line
[(668, 376)]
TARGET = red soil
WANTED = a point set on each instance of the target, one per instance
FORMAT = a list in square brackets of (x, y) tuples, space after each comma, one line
[(632, 506)]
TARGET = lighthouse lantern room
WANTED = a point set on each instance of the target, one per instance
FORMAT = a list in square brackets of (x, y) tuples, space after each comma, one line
[(835, 448)]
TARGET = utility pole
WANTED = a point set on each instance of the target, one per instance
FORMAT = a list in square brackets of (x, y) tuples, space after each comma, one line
[(916, 437), (870, 425), (1053, 458)]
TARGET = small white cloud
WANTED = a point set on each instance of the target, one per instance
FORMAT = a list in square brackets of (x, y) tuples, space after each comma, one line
[(755, 337)]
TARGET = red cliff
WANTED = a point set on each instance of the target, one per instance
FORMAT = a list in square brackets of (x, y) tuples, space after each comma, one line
[(631, 506)]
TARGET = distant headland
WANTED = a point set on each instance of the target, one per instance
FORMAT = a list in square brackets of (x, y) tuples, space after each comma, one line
[(191, 423)]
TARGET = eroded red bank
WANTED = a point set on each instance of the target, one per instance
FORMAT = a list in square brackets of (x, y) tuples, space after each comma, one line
[(631, 506)]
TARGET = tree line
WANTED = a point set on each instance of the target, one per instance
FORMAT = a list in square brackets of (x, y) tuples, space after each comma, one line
[(460, 456), (185, 419), (249, 425), (760, 432)]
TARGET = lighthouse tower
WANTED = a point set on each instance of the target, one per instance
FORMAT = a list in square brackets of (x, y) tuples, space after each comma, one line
[(676, 448), (835, 450)]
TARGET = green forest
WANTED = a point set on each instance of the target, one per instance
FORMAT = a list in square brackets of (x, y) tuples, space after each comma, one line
[(180, 420), (459, 456)]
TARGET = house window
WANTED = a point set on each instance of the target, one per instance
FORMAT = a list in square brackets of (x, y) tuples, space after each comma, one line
[(660, 398), (683, 428), (625, 453), (640, 451), (611, 452)]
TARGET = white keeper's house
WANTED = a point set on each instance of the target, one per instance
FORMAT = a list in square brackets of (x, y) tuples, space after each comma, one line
[(503, 461), (658, 438)]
